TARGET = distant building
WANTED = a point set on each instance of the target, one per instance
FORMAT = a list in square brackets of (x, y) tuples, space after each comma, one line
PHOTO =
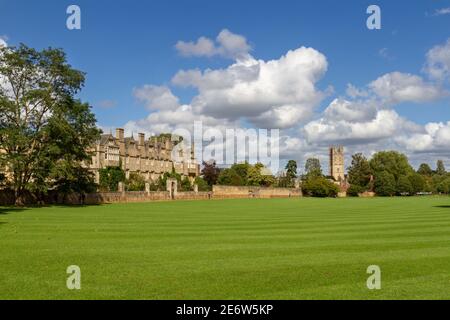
[(337, 163), (150, 158)]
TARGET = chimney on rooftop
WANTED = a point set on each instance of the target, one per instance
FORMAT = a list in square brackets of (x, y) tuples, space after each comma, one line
[(120, 134), (141, 139)]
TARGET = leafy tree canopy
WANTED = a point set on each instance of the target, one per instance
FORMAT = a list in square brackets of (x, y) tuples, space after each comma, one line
[(135, 182), (318, 186), (110, 178), (245, 174), (229, 177), (359, 172), (385, 184), (44, 130), (313, 168), (418, 183), (440, 168), (202, 184), (425, 170), (391, 162), (291, 169), (210, 172), (404, 186)]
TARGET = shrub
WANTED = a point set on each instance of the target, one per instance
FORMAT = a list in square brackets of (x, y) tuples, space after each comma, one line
[(418, 183), (385, 185), (202, 184), (135, 182), (229, 177), (110, 178), (185, 185), (320, 187), (355, 190), (404, 186), (444, 186)]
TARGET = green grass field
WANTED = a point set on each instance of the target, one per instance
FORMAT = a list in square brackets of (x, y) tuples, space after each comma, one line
[(232, 249)]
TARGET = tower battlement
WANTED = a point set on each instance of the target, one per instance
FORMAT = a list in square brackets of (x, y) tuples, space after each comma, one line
[(337, 163)]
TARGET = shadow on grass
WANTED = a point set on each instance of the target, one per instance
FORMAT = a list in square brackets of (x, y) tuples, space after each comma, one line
[(443, 207), (72, 206), (10, 210)]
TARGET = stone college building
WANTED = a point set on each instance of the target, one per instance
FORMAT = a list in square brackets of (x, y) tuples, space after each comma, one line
[(150, 158)]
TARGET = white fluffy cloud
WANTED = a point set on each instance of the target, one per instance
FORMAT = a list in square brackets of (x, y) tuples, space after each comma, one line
[(286, 116), (5, 86), (442, 11), (210, 80), (352, 111), (384, 125), (438, 62), (282, 93), (157, 97), (163, 121), (369, 118), (229, 45), (397, 87), (277, 93), (354, 92), (202, 47), (434, 138)]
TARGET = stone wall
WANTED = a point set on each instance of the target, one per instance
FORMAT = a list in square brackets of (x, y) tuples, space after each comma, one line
[(129, 197), (193, 196), (126, 197), (367, 194), (219, 192), (7, 198), (230, 192)]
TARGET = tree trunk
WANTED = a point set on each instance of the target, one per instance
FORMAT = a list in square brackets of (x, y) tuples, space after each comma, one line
[(19, 200)]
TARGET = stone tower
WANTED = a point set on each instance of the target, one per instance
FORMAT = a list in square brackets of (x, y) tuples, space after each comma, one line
[(337, 169)]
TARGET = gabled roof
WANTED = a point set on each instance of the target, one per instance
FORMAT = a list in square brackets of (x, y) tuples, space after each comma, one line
[(105, 138), (130, 140)]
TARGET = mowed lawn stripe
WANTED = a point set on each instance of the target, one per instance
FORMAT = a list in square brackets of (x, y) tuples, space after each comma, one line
[(230, 249)]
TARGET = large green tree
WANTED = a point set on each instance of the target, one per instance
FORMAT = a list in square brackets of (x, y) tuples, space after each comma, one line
[(418, 183), (229, 177), (391, 162), (385, 184), (444, 186), (404, 186), (210, 172), (440, 168), (44, 130), (319, 186), (242, 169), (258, 176), (425, 170), (254, 175), (359, 173), (313, 168), (291, 172)]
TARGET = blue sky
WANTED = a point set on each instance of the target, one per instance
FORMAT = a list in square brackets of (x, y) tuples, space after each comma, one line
[(125, 45)]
